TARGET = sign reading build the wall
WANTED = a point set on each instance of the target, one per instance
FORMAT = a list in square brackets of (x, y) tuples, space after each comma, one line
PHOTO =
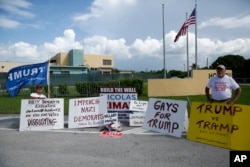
[(118, 99), (87, 112), (220, 124), (41, 114), (165, 116)]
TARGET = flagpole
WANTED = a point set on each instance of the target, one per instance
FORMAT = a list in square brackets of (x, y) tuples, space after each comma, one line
[(187, 50), (48, 78), (164, 56), (196, 36)]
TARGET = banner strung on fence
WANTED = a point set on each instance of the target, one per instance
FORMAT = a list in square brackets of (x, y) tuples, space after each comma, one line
[(165, 116), (41, 114), (87, 112), (220, 124), (31, 74)]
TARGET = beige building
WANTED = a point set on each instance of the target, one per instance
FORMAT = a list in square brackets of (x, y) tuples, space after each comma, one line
[(5, 66), (103, 63), (75, 57)]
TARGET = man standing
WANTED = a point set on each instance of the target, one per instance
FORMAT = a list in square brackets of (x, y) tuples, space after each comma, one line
[(38, 94), (222, 86)]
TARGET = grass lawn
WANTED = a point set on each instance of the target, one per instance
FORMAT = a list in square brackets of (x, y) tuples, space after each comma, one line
[(12, 105)]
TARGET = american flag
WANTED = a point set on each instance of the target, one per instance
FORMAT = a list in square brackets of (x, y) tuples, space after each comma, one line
[(184, 27)]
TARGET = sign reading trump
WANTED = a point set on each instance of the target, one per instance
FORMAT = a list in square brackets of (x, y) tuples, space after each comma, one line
[(165, 116), (220, 124)]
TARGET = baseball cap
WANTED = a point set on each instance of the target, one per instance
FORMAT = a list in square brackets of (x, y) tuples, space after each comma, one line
[(221, 66), (39, 86)]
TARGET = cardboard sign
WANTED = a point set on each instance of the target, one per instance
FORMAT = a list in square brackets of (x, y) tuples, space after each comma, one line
[(110, 117), (138, 105), (87, 112), (220, 124), (136, 119), (165, 116), (41, 114)]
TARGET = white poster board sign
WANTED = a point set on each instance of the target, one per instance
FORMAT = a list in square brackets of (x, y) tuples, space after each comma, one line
[(136, 119), (118, 99), (41, 114), (165, 116), (87, 112), (138, 105), (110, 117)]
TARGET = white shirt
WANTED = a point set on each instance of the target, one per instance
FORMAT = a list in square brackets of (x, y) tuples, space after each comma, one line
[(222, 87), (38, 96)]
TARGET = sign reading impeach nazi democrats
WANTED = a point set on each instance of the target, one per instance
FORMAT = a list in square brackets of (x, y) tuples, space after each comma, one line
[(220, 124), (87, 112), (41, 114)]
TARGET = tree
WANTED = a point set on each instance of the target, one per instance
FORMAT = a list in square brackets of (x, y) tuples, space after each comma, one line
[(232, 62), (246, 69)]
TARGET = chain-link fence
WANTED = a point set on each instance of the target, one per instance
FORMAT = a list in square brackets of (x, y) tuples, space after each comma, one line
[(70, 81)]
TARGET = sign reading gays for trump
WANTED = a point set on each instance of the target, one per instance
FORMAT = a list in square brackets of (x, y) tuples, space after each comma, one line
[(87, 112), (41, 114), (220, 124), (165, 116)]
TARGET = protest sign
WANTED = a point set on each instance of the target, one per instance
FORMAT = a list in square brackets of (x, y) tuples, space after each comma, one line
[(136, 119), (41, 114), (220, 124), (110, 117), (118, 99), (165, 116), (87, 112), (138, 105)]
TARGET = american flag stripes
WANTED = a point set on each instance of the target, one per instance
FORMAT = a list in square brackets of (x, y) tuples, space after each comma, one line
[(183, 30)]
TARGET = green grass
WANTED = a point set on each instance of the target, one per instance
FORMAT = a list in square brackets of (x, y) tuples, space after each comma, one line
[(12, 105)]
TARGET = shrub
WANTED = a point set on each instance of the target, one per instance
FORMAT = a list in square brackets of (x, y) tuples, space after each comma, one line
[(63, 89)]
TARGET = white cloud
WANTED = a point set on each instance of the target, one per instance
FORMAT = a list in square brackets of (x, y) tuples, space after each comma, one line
[(228, 23), (140, 55), (62, 44), (17, 7), (8, 23), (100, 7)]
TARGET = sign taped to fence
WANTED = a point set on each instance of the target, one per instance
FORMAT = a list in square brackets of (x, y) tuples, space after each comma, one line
[(165, 116), (220, 124), (41, 114), (87, 112), (118, 99), (138, 105)]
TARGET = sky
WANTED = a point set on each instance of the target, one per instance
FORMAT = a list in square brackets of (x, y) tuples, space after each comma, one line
[(131, 30)]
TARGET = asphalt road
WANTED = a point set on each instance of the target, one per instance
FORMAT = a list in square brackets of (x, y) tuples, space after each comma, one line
[(87, 148)]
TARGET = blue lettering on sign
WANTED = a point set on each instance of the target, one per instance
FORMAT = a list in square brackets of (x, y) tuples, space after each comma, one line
[(121, 97)]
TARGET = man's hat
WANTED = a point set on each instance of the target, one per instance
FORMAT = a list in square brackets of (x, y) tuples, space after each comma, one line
[(39, 86), (221, 66)]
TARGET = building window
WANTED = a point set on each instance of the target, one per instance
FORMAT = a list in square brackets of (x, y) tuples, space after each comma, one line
[(107, 62)]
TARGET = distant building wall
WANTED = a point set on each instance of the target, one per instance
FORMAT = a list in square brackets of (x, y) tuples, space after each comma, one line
[(76, 57), (181, 87)]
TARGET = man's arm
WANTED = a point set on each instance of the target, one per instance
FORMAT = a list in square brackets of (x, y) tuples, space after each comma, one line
[(236, 96), (207, 94)]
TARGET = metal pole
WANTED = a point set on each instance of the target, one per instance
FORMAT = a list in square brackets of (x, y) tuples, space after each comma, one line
[(196, 61), (164, 56), (187, 50)]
